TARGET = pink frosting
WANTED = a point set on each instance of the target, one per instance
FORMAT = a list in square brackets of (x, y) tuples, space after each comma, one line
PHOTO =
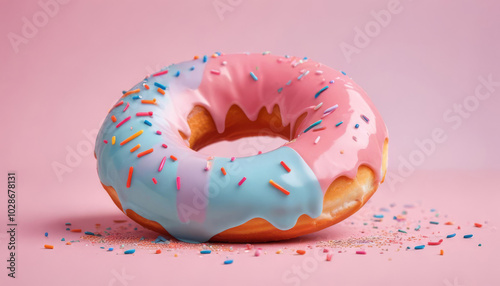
[(339, 151)]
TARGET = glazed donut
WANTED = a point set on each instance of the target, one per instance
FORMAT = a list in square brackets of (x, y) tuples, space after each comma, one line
[(334, 159)]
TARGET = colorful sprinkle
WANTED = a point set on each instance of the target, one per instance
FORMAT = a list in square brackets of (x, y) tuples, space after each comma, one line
[(338, 124), (242, 181), (356, 126), (48, 246), (420, 247), (46, 234), (441, 252), (205, 59), (149, 101), (136, 97), (129, 179), (158, 132), (317, 140), (434, 242), (378, 216), (150, 113), (312, 125), (76, 230), (228, 261), (361, 252), (478, 225), (343, 72), (402, 231), (217, 72), (320, 91), (146, 86), (451, 235), (301, 252), (89, 233), (173, 158), (365, 118), (129, 251), (164, 145), (160, 85), (279, 187), (417, 228), (206, 251), (178, 73), (318, 106), (331, 109), (126, 107), (148, 123), (145, 153), (135, 148), (162, 163), (468, 236), (161, 91), (285, 166), (254, 76), (132, 137), (280, 90), (123, 121), (329, 257), (161, 73), (131, 92), (434, 222), (113, 118), (113, 140), (154, 180), (105, 141), (223, 171), (178, 183)]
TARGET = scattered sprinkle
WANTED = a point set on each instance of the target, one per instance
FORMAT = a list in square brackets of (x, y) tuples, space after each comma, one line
[(162, 163), (338, 124), (312, 125), (301, 252), (148, 123), (123, 121), (420, 247), (173, 158), (178, 183), (135, 148), (145, 153), (320, 91), (132, 137), (468, 236), (48, 246), (129, 179), (150, 113), (228, 261), (279, 187), (451, 235), (161, 73), (254, 76), (206, 251), (361, 252), (285, 166), (223, 171), (242, 181), (129, 251), (160, 85)]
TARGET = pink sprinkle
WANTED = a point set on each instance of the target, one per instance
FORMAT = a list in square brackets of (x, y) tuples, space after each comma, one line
[(249, 246), (123, 121), (325, 250), (162, 163), (154, 181), (242, 181), (118, 104), (209, 165), (158, 132), (232, 159), (215, 72), (164, 145), (354, 138), (260, 152), (126, 107), (178, 183), (257, 252), (329, 257), (360, 252), (150, 113), (105, 141), (160, 73)]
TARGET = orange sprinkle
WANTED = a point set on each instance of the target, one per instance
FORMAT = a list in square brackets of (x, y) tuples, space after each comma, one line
[(132, 137), (76, 230), (301, 252), (131, 92), (68, 243), (161, 91), (279, 187), (478, 225), (214, 55), (285, 166), (113, 140), (135, 148), (173, 158), (158, 251), (129, 179), (146, 86), (145, 153), (448, 223), (147, 101), (113, 118), (319, 129), (196, 57), (223, 171), (441, 252), (48, 246)]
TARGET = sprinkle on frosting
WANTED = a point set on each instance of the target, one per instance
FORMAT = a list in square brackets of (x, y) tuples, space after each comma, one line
[(123, 121), (254, 76), (285, 166), (131, 92), (126, 107), (173, 158), (320, 91), (145, 153), (135, 148), (150, 113), (161, 73), (279, 187), (178, 183), (162, 163), (132, 137), (242, 181), (148, 101), (161, 91), (338, 124), (113, 118), (312, 125), (223, 171), (160, 85), (129, 179)]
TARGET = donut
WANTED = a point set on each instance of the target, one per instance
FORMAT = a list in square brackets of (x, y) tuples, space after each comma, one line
[(334, 158)]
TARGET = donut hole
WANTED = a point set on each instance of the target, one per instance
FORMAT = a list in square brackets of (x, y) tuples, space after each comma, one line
[(267, 130)]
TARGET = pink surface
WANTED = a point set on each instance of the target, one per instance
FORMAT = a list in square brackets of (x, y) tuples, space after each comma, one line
[(431, 70)]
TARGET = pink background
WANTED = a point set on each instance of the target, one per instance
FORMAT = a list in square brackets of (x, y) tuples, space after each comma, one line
[(59, 83)]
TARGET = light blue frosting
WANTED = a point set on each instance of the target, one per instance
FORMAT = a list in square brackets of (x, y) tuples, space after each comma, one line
[(208, 202)]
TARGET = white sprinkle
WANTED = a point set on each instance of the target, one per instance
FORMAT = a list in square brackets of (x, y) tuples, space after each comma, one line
[(224, 63), (318, 106), (317, 140), (319, 72)]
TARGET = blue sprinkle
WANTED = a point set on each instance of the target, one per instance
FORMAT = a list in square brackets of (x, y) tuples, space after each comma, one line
[(130, 251), (68, 223), (102, 247), (89, 233), (191, 68), (280, 90), (142, 238), (417, 228), (160, 85), (63, 239), (161, 239), (408, 247), (67, 228), (356, 126), (254, 76), (218, 53), (320, 91), (433, 210), (110, 249), (434, 222), (378, 216), (305, 58), (343, 72), (287, 56), (148, 123), (46, 234), (332, 81), (229, 261), (365, 118), (468, 236), (420, 247), (338, 124), (135, 228), (289, 82), (402, 231), (206, 251), (451, 235), (300, 76), (177, 73), (136, 97), (204, 58), (312, 125), (124, 91)]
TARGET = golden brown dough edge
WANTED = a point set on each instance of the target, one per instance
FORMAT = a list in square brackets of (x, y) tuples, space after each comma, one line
[(343, 198)]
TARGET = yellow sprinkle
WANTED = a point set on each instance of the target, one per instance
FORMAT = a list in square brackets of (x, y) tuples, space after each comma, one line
[(132, 137), (113, 140)]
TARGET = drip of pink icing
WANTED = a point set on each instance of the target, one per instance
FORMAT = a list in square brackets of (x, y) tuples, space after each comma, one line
[(337, 153)]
